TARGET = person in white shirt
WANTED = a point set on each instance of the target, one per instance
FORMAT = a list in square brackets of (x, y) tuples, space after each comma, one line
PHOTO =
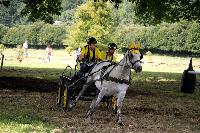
[(48, 53), (25, 48)]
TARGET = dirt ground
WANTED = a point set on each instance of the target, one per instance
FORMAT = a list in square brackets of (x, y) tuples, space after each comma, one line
[(142, 112)]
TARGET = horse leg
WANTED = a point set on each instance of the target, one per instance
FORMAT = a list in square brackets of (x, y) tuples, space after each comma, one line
[(90, 112), (79, 95), (94, 104), (120, 99)]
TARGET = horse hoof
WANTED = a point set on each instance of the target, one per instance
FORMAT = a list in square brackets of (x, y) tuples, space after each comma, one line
[(120, 124)]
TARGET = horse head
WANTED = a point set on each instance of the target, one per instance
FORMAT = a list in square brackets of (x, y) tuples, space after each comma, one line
[(134, 60)]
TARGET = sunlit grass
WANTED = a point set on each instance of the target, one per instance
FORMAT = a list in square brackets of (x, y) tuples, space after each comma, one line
[(60, 59)]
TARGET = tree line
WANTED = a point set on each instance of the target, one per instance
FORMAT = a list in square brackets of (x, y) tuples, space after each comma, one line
[(81, 19)]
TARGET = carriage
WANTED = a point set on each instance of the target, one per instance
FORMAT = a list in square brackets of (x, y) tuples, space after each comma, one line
[(71, 84)]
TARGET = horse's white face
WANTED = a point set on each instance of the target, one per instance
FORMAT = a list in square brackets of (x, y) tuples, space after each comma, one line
[(134, 61)]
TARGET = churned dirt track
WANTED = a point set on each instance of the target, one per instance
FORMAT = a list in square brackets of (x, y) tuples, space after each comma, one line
[(142, 112)]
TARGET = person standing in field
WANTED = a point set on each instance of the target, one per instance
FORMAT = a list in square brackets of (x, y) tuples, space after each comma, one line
[(25, 48), (48, 53)]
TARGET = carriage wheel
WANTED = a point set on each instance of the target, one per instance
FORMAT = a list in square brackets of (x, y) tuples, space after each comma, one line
[(66, 100), (59, 95), (114, 104)]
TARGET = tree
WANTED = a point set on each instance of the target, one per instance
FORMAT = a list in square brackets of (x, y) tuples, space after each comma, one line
[(41, 9), (156, 11), (71, 4), (69, 7), (92, 19), (3, 30), (10, 14)]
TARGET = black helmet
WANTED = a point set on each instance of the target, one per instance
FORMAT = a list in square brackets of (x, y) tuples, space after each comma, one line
[(112, 46), (91, 40)]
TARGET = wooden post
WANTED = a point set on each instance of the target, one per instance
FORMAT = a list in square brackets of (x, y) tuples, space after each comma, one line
[(2, 61)]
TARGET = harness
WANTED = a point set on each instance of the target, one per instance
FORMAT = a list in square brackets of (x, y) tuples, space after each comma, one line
[(117, 80), (113, 79)]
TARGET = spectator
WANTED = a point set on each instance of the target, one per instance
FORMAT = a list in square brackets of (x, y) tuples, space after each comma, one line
[(78, 53), (48, 53), (25, 48)]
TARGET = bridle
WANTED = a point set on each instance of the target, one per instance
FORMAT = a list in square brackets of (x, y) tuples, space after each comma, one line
[(132, 63)]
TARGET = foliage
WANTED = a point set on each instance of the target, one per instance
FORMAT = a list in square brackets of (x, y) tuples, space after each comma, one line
[(3, 30), (125, 14), (2, 48), (36, 33), (14, 35), (10, 15), (71, 4), (41, 10), (33, 31), (52, 34), (126, 34), (156, 11), (67, 16), (177, 37), (92, 19)]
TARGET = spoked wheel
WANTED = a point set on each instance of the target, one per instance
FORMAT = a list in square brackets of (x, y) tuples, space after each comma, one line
[(66, 100), (59, 95), (114, 104)]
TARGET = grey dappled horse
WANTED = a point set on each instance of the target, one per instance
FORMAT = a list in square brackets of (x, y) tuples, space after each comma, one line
[(112, 80)]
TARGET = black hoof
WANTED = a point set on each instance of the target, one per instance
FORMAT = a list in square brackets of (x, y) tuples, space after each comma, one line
[(120, 124)]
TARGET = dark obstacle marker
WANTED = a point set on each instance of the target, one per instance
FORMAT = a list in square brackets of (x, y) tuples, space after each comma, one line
[(188, 81)]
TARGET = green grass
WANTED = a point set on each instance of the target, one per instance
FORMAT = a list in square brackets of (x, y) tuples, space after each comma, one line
[(162, 83), (19, 113), (23, 123)]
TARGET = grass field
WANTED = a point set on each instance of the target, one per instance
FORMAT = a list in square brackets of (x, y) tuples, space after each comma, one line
[(153, 103), (34, 65)]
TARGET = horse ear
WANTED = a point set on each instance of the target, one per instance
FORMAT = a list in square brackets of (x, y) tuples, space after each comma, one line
[(141, 56)]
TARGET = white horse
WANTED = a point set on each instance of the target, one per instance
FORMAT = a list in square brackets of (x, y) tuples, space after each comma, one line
[(112, 81)]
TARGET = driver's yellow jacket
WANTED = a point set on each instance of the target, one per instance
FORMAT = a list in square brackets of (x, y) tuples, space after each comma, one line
[(89, 55)]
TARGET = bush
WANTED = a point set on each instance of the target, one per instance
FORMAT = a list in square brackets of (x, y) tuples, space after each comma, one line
[(52, 34), (3, 30), (14, 35), (177, 37)]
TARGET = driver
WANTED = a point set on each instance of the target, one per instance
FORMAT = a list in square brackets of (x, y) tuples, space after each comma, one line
[(89, 56)]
